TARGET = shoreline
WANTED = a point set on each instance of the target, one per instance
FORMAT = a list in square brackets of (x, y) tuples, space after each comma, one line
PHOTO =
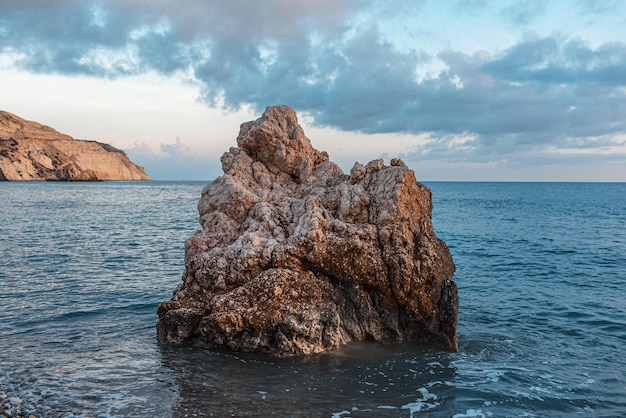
[(13, 406)]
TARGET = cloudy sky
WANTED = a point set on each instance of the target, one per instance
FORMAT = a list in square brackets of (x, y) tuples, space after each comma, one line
[(460, 89)]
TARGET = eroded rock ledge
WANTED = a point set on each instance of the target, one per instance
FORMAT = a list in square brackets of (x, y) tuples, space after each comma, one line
[(296, 257)]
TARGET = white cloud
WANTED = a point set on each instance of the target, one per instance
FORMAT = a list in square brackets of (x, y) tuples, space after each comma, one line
[(174, 161), (179, 149)]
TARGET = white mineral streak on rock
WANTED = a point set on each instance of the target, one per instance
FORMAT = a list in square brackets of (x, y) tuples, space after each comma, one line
[(296, 257)]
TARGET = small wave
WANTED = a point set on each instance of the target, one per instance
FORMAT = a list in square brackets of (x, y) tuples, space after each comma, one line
[(471, 413)]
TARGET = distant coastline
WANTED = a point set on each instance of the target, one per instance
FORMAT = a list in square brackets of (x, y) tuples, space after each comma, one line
[(32, 151)]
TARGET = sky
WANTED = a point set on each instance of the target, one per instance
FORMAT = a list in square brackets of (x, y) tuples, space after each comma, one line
[(462, 90)]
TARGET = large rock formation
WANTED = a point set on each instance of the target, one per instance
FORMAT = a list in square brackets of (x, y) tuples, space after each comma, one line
[(31, 151), (296, 257)]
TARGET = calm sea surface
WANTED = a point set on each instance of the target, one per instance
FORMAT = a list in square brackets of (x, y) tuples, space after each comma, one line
[(541, 270)]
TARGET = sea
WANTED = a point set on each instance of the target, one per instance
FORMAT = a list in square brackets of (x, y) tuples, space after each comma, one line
[(541, 272)]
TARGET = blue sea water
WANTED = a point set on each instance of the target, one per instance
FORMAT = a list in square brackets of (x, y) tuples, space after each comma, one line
[(541, 271)]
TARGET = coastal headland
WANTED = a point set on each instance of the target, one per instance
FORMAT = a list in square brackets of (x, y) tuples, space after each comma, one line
[(32, 151)]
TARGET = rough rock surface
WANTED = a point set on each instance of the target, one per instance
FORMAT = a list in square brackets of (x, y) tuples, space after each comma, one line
[(296, 257), (31, 151)]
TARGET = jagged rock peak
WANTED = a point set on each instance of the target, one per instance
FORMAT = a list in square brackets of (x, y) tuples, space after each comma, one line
[(296, 257), (278, 141)]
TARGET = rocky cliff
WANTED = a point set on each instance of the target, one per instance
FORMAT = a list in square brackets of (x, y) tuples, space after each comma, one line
[(31, 151), (296, 257)]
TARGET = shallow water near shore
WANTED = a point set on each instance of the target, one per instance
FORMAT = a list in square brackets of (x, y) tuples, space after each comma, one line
[(541, 271)]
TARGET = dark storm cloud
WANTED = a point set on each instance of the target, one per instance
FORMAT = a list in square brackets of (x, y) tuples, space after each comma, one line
[(539, 93), (330, 60), (552, 61)]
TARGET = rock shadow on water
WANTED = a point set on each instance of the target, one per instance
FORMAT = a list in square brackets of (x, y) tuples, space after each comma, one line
[(394, 379)]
